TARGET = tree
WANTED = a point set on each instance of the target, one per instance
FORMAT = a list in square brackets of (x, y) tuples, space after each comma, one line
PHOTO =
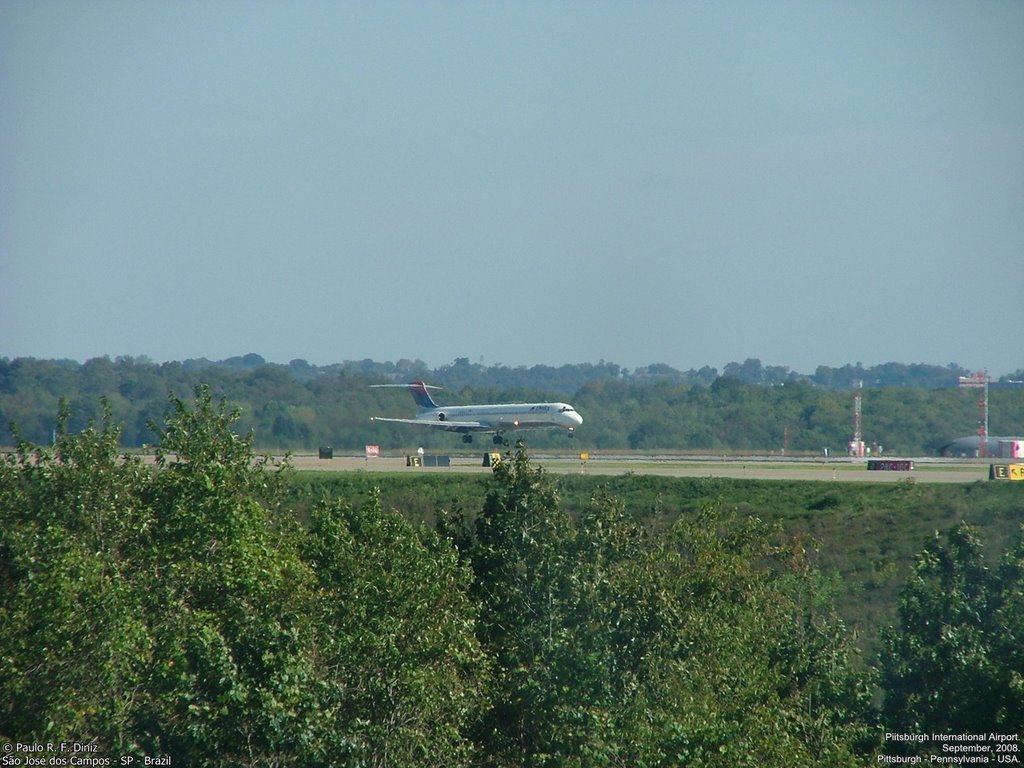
[(403, 669), (744, 665), (233, 680), (182, 611), (74, 641), (955, 662), (518, 558), (608, 648)]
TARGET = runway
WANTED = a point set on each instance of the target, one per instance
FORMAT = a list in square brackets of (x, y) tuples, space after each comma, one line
[(926, 470)]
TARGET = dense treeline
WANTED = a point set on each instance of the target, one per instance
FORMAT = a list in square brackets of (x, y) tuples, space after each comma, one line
[(910, 410), (183, 612)]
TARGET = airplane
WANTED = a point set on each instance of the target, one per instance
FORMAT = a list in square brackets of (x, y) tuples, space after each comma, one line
[(498, 418), (996, 447)]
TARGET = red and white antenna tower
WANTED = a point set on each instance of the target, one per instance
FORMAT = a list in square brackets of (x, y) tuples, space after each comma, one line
[(980, 381)]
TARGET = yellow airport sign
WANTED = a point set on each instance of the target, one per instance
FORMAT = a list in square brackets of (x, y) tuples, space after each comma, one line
[(1006, 472)]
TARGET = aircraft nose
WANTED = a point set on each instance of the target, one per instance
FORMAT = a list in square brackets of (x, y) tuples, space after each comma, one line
[(576, 417)]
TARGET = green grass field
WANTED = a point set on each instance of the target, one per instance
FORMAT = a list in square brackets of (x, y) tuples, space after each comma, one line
[(862, 536)]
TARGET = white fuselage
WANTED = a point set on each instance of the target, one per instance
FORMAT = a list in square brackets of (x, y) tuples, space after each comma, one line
[(507, 416)]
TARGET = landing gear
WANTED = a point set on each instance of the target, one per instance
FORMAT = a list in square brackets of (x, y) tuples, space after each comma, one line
[(467, 438), (499, 439)]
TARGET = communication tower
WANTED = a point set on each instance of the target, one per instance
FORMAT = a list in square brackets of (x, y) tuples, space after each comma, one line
[(980, 381), (857, 444)]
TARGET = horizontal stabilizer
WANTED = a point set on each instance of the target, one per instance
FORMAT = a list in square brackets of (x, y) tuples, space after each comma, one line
[(420, 393)]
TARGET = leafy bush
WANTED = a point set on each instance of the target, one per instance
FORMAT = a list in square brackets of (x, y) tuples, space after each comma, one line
[(179, 612), (955, 662)]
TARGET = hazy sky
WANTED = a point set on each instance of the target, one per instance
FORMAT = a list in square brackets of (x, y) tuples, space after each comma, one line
[(808, 183)]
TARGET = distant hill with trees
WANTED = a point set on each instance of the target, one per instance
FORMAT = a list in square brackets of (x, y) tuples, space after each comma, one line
[(911, 409)]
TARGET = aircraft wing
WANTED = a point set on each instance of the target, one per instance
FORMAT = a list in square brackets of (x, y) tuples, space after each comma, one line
[(448, 426)]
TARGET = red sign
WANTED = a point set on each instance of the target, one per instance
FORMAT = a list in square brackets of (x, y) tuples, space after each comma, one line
[(373, 451)]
